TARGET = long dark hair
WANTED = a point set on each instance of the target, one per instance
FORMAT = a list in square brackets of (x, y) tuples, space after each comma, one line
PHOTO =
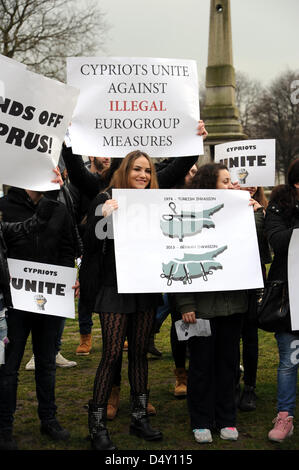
[(285, 195), (260, 197), (206, 176)]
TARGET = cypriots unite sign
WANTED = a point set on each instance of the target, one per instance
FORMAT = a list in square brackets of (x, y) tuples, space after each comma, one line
[(127, 104)]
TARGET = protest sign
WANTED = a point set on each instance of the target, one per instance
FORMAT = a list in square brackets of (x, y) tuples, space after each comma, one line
[(34, 115), (128, 104), (42, 288), (184, 240), (250, 162), (293, 278), (10, 61)]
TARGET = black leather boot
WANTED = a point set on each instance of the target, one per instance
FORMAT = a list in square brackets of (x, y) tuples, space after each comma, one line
[(140, 425), (152, 348), (99, 435)]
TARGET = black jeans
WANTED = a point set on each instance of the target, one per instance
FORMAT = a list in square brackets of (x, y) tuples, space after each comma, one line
[(212, 377), (178, 348), (44, 330), (249, 336)]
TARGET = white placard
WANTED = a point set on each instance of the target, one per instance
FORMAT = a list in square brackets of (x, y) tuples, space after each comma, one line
[(293, 278), (129, 103), (3, 61), (42, 288), (187, 330), (34, 116), (10, 61), (250, 162), (185, 240)]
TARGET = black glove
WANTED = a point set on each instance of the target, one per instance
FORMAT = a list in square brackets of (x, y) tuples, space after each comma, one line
[(45, 208)]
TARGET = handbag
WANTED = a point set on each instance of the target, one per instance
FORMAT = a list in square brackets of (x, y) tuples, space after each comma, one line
[(273, 308)]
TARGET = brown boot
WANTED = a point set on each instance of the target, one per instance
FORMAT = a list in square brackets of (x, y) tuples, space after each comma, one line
[(84, 347), (113, 403), (151, 410), (180, 389)]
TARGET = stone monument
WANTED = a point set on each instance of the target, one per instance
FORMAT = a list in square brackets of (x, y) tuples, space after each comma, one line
[(220, 112)]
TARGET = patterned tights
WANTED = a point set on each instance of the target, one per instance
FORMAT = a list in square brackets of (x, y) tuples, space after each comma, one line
[(115, 327)]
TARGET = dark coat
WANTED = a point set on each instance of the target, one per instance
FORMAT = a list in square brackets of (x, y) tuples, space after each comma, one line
[(279, 229), (169, 172), (14, 233), (92, 267), (9, 233), (54, 245)]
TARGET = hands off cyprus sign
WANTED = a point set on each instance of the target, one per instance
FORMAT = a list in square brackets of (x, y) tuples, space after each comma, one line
[(35, 112), (128, 104)]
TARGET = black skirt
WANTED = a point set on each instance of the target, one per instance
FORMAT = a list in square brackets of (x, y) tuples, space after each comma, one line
[(108, 300)]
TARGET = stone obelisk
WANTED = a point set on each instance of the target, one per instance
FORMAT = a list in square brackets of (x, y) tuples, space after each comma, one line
[(220, 113)]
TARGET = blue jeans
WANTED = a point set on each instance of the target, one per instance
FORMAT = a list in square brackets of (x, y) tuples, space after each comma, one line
[(44, 329), (288, 347), (162, 313)]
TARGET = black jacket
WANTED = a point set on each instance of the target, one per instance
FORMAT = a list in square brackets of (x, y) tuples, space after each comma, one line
[(54, 245), (92, 265), (13, 233), (279, 229), (169, 172), (8, 234), (92, 268)]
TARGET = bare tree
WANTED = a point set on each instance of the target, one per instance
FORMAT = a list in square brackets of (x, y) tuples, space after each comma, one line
[(276, 116), (42, 33), (248, 94)]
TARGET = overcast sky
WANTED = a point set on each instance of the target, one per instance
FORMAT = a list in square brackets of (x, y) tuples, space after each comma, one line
[(265, 33)]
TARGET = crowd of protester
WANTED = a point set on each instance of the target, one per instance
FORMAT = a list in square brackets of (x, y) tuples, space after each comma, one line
[(59, 227)]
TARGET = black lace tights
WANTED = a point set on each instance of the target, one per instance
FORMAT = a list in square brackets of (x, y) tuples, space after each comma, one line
[(115, 327)]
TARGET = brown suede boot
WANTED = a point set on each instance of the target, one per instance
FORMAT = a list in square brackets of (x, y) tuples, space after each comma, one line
[(113, 403), (84, 347), (180, 389)]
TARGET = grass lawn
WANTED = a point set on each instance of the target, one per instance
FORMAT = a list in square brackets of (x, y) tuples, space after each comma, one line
[(74, 389)]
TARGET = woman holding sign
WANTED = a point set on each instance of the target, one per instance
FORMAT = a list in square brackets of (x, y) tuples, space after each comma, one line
[(282, 217), (121, 315), (214, 359)]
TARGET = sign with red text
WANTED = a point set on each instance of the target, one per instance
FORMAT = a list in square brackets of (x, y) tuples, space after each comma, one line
[(42, 288), (250, 162), (128, 104), (35, 112)]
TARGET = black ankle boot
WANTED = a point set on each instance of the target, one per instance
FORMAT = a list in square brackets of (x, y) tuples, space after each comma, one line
[(152, 348), (99, 435), (140, 425), (53, 429)]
